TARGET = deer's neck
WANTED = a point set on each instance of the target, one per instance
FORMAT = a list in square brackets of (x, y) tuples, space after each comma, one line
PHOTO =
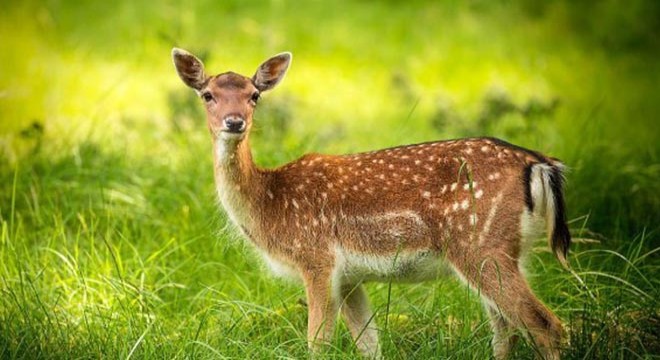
[(238, 182)]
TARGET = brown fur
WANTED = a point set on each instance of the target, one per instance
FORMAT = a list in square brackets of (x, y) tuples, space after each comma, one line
[(460, 200)]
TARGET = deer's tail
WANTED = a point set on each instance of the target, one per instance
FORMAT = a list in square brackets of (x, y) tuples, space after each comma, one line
[(546, 198)]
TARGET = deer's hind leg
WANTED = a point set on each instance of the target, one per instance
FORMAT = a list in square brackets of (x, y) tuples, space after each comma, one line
[(498, 280), (504, 333)]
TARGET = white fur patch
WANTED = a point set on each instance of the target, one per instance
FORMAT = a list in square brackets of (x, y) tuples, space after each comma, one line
[(403, 266), (280, 269), (531, 225), (230, 197)]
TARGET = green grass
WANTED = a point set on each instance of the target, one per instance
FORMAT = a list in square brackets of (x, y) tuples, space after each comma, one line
[(111, 241)]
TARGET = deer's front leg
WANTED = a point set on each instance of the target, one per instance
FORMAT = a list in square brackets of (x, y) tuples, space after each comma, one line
[(322, 307)]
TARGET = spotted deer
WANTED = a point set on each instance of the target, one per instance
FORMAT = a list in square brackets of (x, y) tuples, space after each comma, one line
[(407, 213)]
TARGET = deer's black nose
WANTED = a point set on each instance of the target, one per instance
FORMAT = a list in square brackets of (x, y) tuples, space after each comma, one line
[(234, 124)]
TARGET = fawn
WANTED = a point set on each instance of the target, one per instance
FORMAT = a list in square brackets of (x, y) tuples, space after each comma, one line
[(407, 213)]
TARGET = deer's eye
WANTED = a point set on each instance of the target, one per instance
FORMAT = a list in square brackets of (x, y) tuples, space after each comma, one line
[(255, 97), (207, 96)]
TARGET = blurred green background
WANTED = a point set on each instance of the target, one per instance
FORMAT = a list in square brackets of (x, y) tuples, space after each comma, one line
[(106, 196)]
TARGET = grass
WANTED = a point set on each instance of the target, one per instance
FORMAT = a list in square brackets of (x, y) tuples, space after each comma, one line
[(111, 243)]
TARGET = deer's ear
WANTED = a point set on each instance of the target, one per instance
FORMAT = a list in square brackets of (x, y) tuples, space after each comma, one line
[(272, 71), (189, 68)]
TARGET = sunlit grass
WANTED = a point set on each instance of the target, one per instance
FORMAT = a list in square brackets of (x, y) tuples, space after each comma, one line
[(111, 243)]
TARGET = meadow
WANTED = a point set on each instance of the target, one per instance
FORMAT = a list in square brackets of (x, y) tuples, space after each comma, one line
[(111, 241)]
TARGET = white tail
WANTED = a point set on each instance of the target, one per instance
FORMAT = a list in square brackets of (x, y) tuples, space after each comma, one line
[(407, 213)]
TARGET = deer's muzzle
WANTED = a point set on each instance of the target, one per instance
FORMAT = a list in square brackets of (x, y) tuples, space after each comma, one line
[(234, 125)]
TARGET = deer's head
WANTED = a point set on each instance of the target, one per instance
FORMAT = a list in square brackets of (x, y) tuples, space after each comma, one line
[(229, 98)]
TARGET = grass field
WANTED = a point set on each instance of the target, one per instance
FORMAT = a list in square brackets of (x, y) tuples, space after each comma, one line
[(111, 241)]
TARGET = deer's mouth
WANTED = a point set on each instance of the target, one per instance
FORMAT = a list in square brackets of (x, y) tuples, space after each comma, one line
[(231, 135)]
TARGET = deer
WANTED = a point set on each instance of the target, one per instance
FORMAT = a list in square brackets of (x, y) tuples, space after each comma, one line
[(410, 213)]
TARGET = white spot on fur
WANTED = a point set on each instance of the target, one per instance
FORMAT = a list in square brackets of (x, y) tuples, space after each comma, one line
[(478, 194), (270, 194), (464, 204), (426, 194), (453, 186), (484, 149)]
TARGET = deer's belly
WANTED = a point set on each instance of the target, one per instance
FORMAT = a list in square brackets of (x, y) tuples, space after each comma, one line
[(409, 266)]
